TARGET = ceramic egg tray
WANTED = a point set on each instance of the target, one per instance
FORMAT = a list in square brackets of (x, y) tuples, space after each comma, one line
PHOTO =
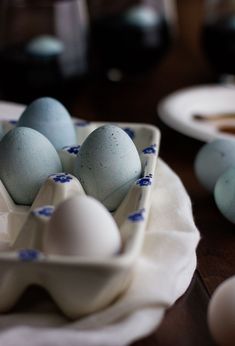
[(78, 285)]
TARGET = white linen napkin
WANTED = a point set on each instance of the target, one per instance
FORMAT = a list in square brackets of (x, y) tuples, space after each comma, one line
[(163, 272)]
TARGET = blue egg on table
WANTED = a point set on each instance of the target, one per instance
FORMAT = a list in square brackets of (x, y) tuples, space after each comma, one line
[(212, 160), (45, 46), (224, 194), (27, 159), (51, 118)]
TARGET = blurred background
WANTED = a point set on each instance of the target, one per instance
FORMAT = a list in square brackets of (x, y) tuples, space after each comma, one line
[(92, 54)]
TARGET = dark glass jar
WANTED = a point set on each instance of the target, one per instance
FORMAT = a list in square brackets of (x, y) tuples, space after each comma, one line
[(127, 41), (218, 36), (43, 48)]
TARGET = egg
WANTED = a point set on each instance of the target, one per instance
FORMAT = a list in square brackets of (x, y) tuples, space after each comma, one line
[(50, 117), (27, 159), (224, 194), (107, 165), (212, 160), (82, 226), (221, 313), (1, 131), (45, 46)]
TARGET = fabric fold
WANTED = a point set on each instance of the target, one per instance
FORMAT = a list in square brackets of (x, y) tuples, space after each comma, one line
[(162, 274)]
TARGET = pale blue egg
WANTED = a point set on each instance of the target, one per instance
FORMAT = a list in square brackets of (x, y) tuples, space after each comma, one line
[(107, 165), (50, 117), (27, 159), (45, 46), (212, 160), (224, 194)]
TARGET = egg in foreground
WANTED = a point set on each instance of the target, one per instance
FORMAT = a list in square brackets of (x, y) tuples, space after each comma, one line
[(221, 313), (82, 226), (107, 165), (27, 158)]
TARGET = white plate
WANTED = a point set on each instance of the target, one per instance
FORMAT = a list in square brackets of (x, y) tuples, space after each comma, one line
[(93, 282), (178, 110)]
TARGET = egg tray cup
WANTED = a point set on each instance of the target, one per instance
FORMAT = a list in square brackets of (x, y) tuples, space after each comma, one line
[(78, 285)]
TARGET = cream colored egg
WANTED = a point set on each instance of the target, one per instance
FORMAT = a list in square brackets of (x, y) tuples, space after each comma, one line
[(82, 226), (221, 313)]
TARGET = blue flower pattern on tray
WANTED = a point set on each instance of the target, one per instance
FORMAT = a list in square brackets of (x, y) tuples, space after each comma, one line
[(152, 149), (137, 216), (130, 132), (44, 211), (73, 150), (145, 181), (82, 123), (28, 255), (13, 122), (62, 178)]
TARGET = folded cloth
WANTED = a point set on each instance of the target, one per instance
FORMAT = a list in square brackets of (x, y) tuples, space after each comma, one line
[(163, 272)]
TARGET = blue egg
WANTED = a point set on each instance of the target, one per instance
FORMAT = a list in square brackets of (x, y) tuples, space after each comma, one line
[(45, 46), (224, 194), (50, 117), (107, 165), (27, 158), (212, 160)]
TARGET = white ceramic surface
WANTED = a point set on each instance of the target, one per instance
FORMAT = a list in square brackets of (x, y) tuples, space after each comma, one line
[(78, 285), (177, 111)]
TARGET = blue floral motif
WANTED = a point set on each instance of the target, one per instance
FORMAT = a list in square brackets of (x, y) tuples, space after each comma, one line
[(73, 150), (145, 181), (82, 123), (62, 178), (28, 255), (44, 211), (130, 132), (137, 216), (13, 122), (150, 150)]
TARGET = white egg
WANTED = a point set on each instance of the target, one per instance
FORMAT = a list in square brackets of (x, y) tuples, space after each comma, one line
[(221, 313), (224, 194), (107, 165), (51, 118), (82, 226), (212, 160), (27, 158)]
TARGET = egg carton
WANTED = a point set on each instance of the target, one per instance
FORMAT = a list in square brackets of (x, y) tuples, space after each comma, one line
[(79, 285)]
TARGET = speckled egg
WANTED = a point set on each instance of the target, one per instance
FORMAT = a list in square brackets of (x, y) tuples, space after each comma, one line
[(212, 160), (27, 159), (73, 230), (224, 194), (221, 313), (107, 165), (50, 117)]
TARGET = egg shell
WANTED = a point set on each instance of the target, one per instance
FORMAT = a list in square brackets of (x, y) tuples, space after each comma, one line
[(107, 165), (27, 159), (221, 313), (212, 160), (82, 226), (224, 194), (51, 118), (45, 46)]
